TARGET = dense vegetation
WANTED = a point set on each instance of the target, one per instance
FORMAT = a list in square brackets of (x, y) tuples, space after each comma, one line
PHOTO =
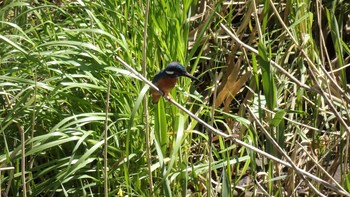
[(273, 77)]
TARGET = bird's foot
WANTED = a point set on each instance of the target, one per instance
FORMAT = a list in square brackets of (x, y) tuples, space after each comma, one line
[(167, 97)]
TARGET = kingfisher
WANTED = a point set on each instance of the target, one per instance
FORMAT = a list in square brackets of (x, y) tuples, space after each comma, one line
[(166, 79)]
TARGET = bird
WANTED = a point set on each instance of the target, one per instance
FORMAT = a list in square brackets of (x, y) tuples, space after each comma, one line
[(166, 79)]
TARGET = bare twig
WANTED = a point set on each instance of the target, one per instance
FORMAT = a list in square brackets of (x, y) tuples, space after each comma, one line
[(280, 150), (309, 175), (312, 65), (237, 141), (282, 70), (300, 46), (330, 104), (3, 169), (299, 83), (217, 132), (319, 166)]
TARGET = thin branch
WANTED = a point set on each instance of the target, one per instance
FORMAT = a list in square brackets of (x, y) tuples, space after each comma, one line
[(237, 141), (316, 164), (282, 70), (280, 150), (312, 65), (299, 83), (217, 132), (300, 46), (330, 104), (3, 169)]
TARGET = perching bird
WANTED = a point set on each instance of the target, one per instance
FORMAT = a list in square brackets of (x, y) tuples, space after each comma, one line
[(166, 79)]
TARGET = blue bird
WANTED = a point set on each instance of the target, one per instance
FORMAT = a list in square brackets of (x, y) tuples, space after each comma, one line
[(166, 79)]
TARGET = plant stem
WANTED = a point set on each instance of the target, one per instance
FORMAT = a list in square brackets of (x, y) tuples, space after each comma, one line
[(105, 140)]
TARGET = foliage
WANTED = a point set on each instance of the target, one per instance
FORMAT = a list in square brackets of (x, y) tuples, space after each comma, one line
[(279, 67)]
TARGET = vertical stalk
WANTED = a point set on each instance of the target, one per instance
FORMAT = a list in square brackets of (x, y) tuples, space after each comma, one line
[(145, 102), (31, 158), (3, 169), (23, 163), (211, 135), (105, 140)]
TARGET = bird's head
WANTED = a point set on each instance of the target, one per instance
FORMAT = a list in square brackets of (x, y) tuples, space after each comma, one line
[(175, 69)]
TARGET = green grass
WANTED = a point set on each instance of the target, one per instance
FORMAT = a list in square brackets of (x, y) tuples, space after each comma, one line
[(281, 71)]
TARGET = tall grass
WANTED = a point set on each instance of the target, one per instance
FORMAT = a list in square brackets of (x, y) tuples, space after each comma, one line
[(280, 92)]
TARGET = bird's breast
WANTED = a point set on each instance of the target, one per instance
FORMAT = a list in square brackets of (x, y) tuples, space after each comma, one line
[(166, 84)]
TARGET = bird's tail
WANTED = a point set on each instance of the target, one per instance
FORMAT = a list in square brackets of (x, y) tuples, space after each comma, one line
[(155, 99)]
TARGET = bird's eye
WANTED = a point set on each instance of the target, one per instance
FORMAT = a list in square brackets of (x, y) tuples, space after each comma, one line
[(169, 72)]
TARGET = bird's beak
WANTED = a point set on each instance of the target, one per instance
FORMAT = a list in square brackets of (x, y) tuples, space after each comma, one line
[(186, 74)]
